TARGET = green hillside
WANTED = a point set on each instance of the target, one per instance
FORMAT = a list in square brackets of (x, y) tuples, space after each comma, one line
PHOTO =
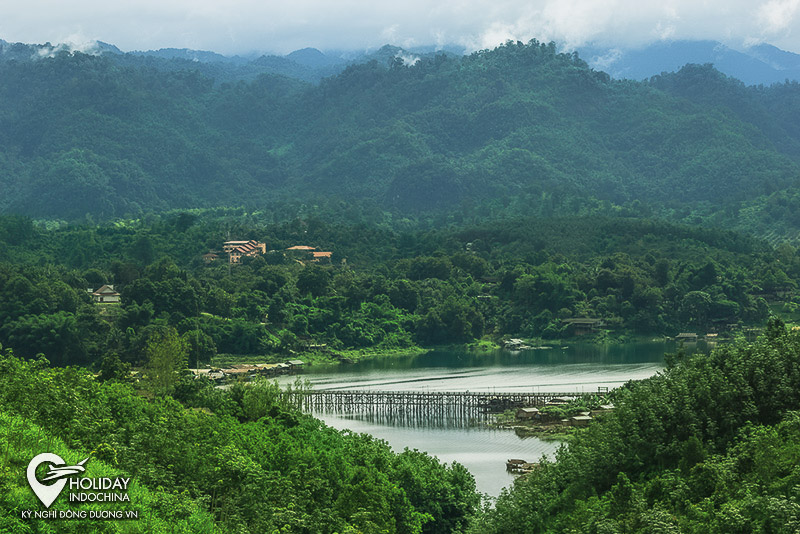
[(709, 446), (381, 290), (517, 130), (242, 460), (460, 201)]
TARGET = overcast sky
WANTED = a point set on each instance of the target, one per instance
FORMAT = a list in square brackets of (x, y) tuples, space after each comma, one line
[(241, 26)]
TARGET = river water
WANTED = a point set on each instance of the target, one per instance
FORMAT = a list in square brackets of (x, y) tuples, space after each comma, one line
[(576, 368)]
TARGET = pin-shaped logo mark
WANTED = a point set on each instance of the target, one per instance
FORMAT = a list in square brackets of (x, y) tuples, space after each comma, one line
[(48, 493)]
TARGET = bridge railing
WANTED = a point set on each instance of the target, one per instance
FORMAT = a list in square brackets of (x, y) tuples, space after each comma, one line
[(418, 408)]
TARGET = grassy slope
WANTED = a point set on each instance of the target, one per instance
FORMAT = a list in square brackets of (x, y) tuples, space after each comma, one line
[(159, 509)]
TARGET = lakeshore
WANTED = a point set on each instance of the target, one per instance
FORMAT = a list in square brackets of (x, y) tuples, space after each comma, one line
[(483, 447)]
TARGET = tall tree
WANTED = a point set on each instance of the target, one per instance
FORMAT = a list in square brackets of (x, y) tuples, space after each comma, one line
[(166, 357)]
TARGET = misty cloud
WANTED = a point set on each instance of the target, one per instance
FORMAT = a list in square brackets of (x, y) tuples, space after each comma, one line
[(241, 26), (408, 59), (778, 15), (71, 44), (606, 61)]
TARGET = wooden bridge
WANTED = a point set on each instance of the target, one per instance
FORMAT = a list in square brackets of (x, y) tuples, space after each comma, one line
[(425, 409)]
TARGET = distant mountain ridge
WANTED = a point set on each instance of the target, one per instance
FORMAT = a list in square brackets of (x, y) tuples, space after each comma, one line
[(190, 55), (759, 64), (519, 129), (307, 64), (311, 57)]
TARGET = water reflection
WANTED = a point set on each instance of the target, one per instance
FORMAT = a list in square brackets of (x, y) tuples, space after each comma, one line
[(577, 368), (448, 420), (483, 451)]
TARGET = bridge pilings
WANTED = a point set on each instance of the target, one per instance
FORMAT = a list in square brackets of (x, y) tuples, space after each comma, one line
[(417, 408)]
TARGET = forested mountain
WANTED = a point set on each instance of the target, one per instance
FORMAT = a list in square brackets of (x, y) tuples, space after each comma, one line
[(448, 200), (308, 64), (709, 446), (524, 277), (761, 64), (519, 129)]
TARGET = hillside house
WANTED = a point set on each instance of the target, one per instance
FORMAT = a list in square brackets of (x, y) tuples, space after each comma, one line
[(322, 256), (228, 246), (311, 254), (584, 325), (106, 294), (237, 249)]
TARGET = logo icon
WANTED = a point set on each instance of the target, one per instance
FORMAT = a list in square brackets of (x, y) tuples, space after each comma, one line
[(58, 471)]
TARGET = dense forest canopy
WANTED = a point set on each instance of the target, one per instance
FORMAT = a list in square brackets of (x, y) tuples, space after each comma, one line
[(709, 446), (521, 129), (454, 200), (243, 460), (380, 289)]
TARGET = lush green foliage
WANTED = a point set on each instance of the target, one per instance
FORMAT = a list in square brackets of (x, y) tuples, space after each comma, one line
[(158, 510), (708, 446), (396, 290), (251, 460), (397, 170), (519, 129)]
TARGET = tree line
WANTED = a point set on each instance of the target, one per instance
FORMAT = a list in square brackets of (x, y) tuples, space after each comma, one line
[(208, 460), (381, 290), (521, 129), (707, 446)]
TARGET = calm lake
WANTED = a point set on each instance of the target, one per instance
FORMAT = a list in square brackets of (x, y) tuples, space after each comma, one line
[(577, 368)]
